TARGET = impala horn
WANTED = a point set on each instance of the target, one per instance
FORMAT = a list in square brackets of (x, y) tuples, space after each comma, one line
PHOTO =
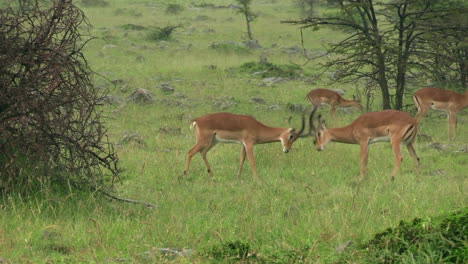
[(299, 133), (312, 128)]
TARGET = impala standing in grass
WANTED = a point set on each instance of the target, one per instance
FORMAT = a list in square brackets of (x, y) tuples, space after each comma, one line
[(318, 97), (388, 125), (439, 99), (245, 130)]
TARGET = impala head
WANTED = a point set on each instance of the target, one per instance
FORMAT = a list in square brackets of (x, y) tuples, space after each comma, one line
[(290, 135), (320, 133), (357, 104)]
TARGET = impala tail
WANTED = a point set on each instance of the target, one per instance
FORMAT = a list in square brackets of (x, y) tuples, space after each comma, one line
[(193, 124)]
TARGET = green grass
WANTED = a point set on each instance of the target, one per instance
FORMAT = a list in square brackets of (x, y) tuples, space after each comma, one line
[(307, 204)]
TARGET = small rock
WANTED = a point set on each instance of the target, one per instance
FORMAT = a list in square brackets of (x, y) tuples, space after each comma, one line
[(176, 252), (179, 95), (223, 102), (273, 80), (209, 30), (140, 59), (463, 149), (257, 100), (118, 82), (274, 108), (438, 172), (109, 46), (141, 96), (171, 103), (166, 88), (113, 99), (252, 44), (295, 107), (343, 246), (170, 130), (438, 146), (132, 137), (211, 67)]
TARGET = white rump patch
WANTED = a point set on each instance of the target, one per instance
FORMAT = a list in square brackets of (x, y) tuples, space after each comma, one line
[(193, 125)]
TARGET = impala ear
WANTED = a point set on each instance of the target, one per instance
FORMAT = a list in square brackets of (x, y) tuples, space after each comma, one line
[(291, 130)]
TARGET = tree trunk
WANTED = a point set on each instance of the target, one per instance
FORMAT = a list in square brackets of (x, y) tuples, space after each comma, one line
[(249, 32)]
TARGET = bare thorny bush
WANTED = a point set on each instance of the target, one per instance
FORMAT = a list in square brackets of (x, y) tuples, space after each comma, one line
[(50, 127)]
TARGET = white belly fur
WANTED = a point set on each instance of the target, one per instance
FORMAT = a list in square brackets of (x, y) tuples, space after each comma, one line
[(222, 140), (379, 139)]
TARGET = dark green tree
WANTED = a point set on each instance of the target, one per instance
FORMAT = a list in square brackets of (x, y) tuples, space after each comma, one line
[(388, 40), (246, 10)]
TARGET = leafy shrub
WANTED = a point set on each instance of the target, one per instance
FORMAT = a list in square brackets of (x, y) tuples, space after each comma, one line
[(164, 33), (438, 240), (51, 128), (229, 252), (270, 70), (230, 47), (94, 3), (132, 27), (174, 9)]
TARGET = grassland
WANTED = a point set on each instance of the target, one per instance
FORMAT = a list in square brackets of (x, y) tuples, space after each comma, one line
[(307, 199)]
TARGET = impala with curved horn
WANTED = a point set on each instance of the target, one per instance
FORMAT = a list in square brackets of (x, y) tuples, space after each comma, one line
[(388, 125), (231, 128), (318, 97), (439, 99)]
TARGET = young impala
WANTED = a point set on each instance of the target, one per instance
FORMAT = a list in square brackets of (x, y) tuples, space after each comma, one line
[(318, 97), (388, 125), (439, 99), (231, 128)]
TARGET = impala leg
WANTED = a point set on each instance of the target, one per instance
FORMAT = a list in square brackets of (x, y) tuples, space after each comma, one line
[(363, 161), (332, 110), (190, 154), (412, 152), (250, 156), (398, 157), (242, 159), (207, 164), (452, 124)]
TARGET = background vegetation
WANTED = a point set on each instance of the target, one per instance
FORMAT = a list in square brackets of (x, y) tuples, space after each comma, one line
[(305, 211)]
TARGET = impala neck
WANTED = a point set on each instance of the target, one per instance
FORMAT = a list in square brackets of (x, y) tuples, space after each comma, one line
[(465, 99), (342, 135), (270, 134)]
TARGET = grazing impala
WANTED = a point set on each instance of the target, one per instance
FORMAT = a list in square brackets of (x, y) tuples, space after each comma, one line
[(439, 99), (231, 128), (388, 125), (324, 96)]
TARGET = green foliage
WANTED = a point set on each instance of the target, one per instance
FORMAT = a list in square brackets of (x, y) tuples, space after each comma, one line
[(161, 33), (241, 251), (421, 240), (229, 252), (270, 70), (132, 27), (174, 9)]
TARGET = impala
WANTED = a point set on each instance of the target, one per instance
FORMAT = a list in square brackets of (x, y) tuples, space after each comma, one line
[(388, 125), (439, 99), (231, 128), (318, 97)]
